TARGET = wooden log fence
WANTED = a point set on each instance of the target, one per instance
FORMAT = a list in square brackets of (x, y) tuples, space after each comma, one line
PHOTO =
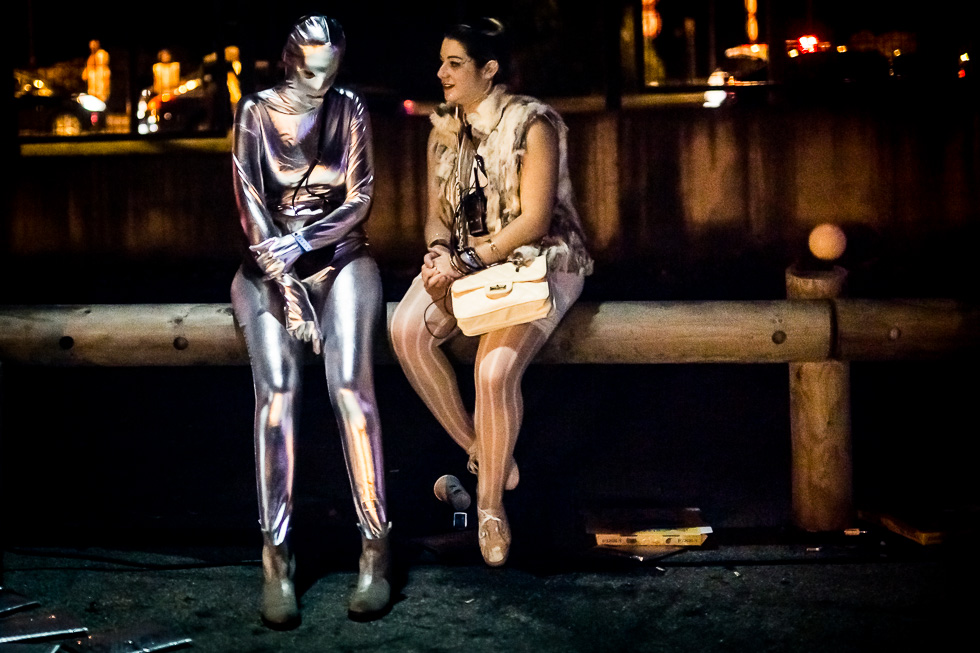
[(641, 332), (817, 337)]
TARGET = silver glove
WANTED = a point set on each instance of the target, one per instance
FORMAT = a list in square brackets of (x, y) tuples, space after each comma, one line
[(277, 255), (301, 320)]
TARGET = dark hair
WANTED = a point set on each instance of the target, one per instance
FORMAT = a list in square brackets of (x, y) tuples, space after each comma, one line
[(484, 40)]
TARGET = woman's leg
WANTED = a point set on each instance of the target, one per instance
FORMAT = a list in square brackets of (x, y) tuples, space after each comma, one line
[(501, 360), (351, 307), (276, 359), (350, 304), (418, 327)]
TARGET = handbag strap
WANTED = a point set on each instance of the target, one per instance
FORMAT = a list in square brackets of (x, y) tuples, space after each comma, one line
[(446, 307)]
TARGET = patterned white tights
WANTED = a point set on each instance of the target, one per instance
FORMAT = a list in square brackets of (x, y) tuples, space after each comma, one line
[(418, 327)]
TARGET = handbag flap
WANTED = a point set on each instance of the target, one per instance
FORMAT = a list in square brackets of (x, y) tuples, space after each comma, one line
[(502, 274)]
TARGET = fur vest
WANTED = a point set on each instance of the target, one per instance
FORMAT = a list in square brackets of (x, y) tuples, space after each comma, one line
[(499, 126)]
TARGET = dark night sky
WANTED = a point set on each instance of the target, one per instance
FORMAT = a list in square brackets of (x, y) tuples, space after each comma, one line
[(66, 26), (396, 43)]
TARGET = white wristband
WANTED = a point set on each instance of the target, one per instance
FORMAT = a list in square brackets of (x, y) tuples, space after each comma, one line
[(303, 244)]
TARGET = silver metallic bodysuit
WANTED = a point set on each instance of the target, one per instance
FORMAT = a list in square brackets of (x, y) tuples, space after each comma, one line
[(303, 178)]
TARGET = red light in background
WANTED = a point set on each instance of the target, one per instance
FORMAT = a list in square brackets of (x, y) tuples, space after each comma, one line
[(409, 107), (808, 43)]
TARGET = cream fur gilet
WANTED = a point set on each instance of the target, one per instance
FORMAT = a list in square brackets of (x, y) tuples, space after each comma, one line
[(500, 125)]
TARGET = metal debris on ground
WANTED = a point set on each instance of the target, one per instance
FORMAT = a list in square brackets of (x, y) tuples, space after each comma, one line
[(23, 627), (11, 601)]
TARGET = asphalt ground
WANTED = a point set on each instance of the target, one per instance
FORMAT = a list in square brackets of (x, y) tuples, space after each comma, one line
[(731, 598), (129, 508)]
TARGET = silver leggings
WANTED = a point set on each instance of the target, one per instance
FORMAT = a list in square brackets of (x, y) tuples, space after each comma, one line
[(349, 303)]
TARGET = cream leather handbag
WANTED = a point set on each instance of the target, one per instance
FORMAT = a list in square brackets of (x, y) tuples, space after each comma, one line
[(502, 295)]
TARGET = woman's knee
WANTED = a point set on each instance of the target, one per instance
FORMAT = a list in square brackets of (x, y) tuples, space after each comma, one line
[(356, 407), (404, 329), (275, 385), (275, 407), (495, 373), (505, 354)]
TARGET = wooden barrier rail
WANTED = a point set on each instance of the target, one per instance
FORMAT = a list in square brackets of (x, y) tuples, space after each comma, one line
[(777, 331), (816, 337)]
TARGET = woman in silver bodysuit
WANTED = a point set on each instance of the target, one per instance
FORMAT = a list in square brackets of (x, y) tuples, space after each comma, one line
[(304, 176)]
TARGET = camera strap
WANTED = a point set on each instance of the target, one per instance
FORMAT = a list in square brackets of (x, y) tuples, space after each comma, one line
[(465, 135), (459, 231)]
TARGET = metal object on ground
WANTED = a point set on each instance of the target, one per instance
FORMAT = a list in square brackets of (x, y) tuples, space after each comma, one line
[(23, 627), (146, 639), (11, 601)]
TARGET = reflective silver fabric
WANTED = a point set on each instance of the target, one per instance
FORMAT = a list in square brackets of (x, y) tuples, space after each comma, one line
[(303, 165), (275, 144)]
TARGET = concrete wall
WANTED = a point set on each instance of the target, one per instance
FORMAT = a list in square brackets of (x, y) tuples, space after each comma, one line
[(684, 197)]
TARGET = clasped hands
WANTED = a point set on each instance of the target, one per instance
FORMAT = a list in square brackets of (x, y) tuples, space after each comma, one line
[(437, 271), (277, 254), (276, 257)]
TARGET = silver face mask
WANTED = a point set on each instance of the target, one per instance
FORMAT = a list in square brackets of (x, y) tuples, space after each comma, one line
[(312, 57)]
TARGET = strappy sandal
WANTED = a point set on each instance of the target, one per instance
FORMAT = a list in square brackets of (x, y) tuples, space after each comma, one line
[(494, 536)]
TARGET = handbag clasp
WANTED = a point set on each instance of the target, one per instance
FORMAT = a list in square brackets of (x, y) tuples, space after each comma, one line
[(499, 289)]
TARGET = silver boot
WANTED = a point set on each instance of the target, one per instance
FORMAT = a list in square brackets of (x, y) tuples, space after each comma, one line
[(372, 596), (280, 610)]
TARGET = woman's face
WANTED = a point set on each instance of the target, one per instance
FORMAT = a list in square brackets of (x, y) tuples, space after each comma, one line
[(462, 82), (313, 74)]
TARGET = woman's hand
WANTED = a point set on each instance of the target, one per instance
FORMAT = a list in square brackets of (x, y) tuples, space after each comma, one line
[(301, 319), (437, 271), (276, 255)]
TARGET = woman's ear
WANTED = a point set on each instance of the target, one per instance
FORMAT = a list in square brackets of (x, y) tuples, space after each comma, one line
[(491, 69)]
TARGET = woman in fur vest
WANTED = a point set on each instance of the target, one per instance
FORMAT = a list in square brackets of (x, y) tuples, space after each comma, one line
[(499, 189)]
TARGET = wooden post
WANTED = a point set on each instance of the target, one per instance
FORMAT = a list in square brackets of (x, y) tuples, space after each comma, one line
[(820, 420)]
